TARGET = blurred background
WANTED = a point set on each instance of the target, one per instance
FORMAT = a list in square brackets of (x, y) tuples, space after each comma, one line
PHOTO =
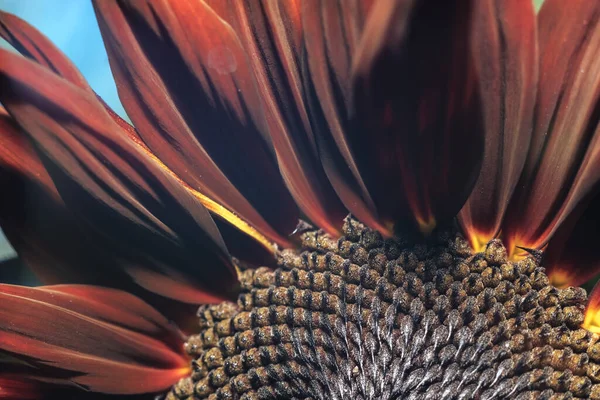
[(71, 25)]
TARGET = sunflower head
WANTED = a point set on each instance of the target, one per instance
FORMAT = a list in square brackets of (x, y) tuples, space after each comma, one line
[(364, 316)]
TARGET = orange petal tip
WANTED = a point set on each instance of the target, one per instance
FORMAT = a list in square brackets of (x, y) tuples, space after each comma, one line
[(478, 242), (560, 278), (426, 226), (592, 311)]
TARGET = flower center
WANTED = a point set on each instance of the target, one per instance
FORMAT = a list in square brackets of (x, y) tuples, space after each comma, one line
[(366, 318)]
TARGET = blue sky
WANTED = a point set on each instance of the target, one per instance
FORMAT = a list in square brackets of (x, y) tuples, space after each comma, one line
[(71, 25)]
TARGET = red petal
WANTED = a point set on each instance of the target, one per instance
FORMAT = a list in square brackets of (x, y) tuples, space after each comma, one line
[(19, 388), (562, 165), (417, 134), (125, 197), (54, 246), (272, 34), (18, 156), (571, 258), (36, 221), (45, 235), (506, 62), (101, 339), (33, 44), (592, 310), (193, 100), (32, 214), (332, 31)]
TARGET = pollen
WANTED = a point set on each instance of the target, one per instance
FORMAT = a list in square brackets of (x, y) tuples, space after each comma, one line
[(364, 317)]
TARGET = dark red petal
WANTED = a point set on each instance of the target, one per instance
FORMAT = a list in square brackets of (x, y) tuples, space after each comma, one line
[(417, 127), (332, 30), (17, 153), (101, 339), (57, 249), (562, 164), (240, 239), (272, 34), (571, 257), (33, 44), (20, 388), (45, 235), (505, 49), (32, 214), (592, 311), (188, 90), (36, 220), (125, 197)]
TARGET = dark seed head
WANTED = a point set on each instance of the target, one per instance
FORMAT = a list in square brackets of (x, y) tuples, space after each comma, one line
[(367, 318)]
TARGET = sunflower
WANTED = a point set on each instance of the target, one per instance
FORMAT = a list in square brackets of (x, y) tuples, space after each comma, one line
[(391, 199)]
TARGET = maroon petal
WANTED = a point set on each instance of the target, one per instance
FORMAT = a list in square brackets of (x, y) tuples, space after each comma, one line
[(37, 223), (562, 164), (15, 386), (272, 33), (58, 249), (506, 61), (571, 257), (45, 235), (331, 31), (417, 132), (189, 91), (119, 192), (50, 242), (20, 388), (33, 44), (18, 155), (32, 214), (592, 311), (100, 339)]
